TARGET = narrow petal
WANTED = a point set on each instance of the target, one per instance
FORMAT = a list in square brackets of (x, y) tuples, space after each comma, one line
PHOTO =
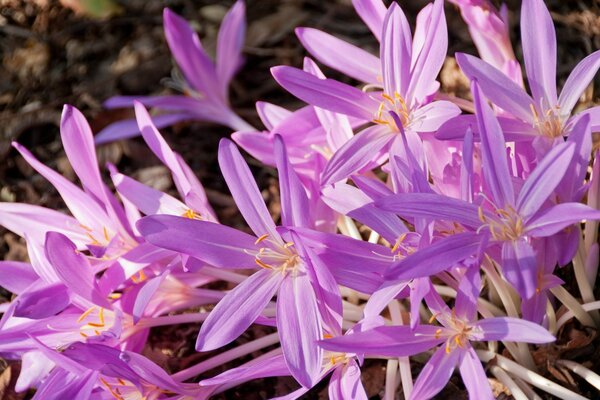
[(391, 341), (436, 258), (594, 114), (215, 244), (520, 267), (544, 179), (270, 114), (295, 210), (42, 301), (171, 102), (73, 268), (578, 80), (126, 129), (468, 293), (496, 86), (16, 276), (495, 165), (559, 217), (87, 211), (430, 117), (299, 324), (27, 220), (255, 369), (340, 55), (78, 142), (431, 206), (187, 50), (474, 377), (513, 330), (539, 50), (357, 153), (326, 93), (514, 129), (238, 310), (436, 374), (351, 387), (430, 58), (148, 200), (243, 188), (396, 49), (372, 12), (230, 42)]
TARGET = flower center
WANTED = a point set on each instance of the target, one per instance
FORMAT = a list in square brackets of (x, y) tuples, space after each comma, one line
[(394, 104), (507, 226), (191, 214), (276, 256), (94, 321), (549, 123)]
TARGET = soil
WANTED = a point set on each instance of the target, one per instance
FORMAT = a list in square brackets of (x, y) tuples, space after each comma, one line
[(51, 55)]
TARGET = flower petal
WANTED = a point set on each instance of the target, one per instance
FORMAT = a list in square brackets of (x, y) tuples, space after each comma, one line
[(340, 55), (544, 178), (372, 12), (513, 330), (519, 267), (539, 50), (243, 188), (474, 377), (128, 128), (436, 374), (217, 245), (326, 93), (558, 217), (396, 49), (578, 80), (230, 41), (299, 324), (238, 310)]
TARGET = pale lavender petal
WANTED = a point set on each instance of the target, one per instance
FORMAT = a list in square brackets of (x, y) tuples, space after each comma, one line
[(396, 50), (496, 86), (61, 384), (436, 258), (382, 297), (372, 12), (148, 200), (495, 165), (513, 330), (431, 56), (468, 293), (27, 220), (255, 369), (326, 93), (433, 115), (357, 153), (594, 114), (295, 210), (230, 42), (86, 210), (145, 294), (514, 129), (436, 374), (545, 177), (16, 276), (539, 50), (519, 266), (340, 55), (238, 310), (299, 324), (431, 206), (129, 128), (215, 244), (570, 188), (474, 377), (578, 80), (42, 301), (271, 115), (243, 188), (73, 268), (558, 217), (34, 368), (187, 50), (392, 341), (171, 103), (350, 385)]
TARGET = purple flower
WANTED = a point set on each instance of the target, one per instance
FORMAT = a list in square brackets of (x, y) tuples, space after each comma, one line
[(204, 83), (458, 328), (409, 72), (544, 114)]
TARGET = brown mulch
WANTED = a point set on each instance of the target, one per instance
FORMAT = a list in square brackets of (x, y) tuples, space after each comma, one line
[(51, 56)]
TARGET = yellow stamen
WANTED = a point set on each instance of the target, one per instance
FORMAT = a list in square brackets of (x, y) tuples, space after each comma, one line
[(105, 234), (262, 264), (261, 238), (85, 314)]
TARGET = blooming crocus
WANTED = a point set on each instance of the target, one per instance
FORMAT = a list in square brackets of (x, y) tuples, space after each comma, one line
[(282, 269), (543, 114), (458, 328), (204, 83), (511, 220), (409, 73)]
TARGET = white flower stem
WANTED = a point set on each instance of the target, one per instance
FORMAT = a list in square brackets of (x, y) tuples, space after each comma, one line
[(391, 372), (403, 362), (529, 376), (573, 305), (507, 381), (570, 314), (226, 356), (583, 283), (590, 376), (224, 274)]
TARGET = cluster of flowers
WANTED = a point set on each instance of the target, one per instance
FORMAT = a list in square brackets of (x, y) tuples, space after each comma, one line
[(407, 227)]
